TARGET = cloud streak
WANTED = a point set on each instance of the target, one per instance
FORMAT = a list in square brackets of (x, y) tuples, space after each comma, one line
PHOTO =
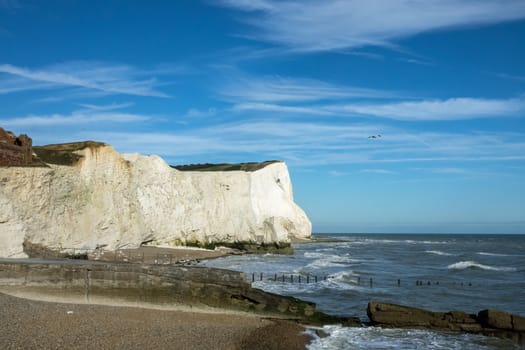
[(310, 97), (450, 109), (340, 24), (106, 78), (89, 116), (462, 108), (286, 89)]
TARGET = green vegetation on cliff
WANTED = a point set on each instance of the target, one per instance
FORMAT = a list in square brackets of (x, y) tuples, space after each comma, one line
[(246, 246), (253, 166), (64, 153)]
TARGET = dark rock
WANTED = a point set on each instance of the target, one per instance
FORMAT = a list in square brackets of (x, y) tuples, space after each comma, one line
[(392, 315), (518, 323), (487, 322), (495, 319)]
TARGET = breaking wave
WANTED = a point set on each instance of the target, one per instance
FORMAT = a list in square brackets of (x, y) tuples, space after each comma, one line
[(325, 261), (497, 254), (462, 265), (378, 338), (438, 252)]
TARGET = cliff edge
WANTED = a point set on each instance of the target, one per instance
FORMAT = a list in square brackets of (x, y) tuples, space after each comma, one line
[(87, 195)]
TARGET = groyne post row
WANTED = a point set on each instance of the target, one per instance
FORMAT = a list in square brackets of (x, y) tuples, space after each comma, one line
[(286, 277), (290, 278)]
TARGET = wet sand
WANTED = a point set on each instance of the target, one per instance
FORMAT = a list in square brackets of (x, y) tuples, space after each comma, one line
[(29, 324)]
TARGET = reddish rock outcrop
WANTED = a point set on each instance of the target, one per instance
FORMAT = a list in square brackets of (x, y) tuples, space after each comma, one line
[(15, 150)]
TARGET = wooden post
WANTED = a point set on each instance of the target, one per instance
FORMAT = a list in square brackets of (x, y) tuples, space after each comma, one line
[(371, 283), (299, 278), (283, 277), (261, 276), (291, 278), (253, 276), (308, 278), (315, 278), (275, 277), (398, 282)]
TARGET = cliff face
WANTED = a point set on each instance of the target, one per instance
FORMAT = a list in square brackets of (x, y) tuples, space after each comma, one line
[(123, 200)]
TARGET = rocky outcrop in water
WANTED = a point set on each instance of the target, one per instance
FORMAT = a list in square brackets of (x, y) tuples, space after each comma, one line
[(86, 195), (488, 322)]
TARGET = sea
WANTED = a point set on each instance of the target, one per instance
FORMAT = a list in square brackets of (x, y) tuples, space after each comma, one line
[(341, 273)]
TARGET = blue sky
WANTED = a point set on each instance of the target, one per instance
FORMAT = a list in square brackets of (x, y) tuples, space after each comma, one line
[(442, 82)]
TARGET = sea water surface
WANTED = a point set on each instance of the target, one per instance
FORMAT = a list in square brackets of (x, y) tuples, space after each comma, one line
[(456, 272)]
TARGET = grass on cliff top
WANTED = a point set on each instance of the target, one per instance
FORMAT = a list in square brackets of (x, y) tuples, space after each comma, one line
[(225, 166), (63, 154)]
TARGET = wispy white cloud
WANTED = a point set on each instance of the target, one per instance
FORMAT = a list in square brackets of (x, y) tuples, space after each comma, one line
[(16, 84), (270, 107), (337, 24), (510, 76), (450, 109), (110, 107), (285, 89), (199, 113), (310, 97), (338, 173), (106, 78), (81, 117), (250, 5), (317, 143), (424, 110)]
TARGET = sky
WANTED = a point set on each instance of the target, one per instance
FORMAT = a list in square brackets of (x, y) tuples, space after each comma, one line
[(307, 82)]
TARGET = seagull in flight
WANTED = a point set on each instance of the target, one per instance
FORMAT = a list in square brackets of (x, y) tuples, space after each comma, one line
[(374, 136)]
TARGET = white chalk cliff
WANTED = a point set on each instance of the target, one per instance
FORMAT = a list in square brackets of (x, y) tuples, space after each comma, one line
[(122, 200)]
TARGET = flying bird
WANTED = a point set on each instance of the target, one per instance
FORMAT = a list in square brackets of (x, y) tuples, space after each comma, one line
[(374, 136)]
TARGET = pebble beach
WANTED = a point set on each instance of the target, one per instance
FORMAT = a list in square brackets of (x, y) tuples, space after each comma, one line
[(31, 324)]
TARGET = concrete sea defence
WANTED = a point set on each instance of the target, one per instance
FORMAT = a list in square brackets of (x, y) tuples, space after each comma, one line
[(151, 285)]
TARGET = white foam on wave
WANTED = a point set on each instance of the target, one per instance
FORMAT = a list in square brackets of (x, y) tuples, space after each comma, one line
[(394, 241), (496, 254), (324, 261), (462, 265), (381, 338), (313, 255), (343, 280), (438, 252)]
